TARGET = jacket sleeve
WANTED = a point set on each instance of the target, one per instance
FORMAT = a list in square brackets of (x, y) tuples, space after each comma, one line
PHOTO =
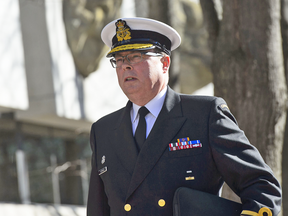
[(241, 165), (97, 200)]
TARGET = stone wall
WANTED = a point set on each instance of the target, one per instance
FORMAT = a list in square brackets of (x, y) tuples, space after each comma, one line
[(7, 209)]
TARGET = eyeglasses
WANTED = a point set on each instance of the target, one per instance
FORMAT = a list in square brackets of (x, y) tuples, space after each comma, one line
[(132, 58)]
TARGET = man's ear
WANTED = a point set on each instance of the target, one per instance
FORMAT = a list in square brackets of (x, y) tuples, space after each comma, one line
[(166, 63)]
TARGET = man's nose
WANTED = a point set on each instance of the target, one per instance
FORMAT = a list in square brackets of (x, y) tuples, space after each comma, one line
[(126, 64)]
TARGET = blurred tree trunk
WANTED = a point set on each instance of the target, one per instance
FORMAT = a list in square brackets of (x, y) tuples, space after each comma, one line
[(284, 28), (248, 70)]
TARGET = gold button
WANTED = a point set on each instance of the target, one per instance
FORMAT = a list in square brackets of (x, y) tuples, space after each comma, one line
[(127, 207), (161, 203)]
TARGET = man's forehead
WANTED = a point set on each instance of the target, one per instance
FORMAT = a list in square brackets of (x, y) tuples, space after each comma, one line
[(124, 53)]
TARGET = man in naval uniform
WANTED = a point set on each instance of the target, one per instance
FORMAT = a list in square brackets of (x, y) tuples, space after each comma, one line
[(140, 159)]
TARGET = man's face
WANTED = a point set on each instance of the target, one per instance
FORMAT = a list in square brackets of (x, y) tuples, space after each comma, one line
[(142, 81)]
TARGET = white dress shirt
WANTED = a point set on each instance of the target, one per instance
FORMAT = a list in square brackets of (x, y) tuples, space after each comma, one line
[(154, 106)]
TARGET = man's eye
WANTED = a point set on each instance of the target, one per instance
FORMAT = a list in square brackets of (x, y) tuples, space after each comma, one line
[(135, 55), (118, 60)]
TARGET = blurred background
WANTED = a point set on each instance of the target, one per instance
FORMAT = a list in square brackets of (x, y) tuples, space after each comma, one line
[(55, 81)]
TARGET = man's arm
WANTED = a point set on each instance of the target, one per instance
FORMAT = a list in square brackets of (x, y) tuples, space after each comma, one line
[(97, 199), (241, 165)]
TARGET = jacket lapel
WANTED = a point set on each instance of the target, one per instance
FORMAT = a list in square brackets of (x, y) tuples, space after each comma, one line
[(126, 149), (168, 123)]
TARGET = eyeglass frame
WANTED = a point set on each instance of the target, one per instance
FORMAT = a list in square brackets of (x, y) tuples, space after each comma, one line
[(149, 53)]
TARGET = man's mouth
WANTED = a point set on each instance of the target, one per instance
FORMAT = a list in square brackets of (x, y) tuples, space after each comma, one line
[(129, 79)]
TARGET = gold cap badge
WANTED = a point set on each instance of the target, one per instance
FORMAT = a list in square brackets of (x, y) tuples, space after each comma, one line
[(122, 30)]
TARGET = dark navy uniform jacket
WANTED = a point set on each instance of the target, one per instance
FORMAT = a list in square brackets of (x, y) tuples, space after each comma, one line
[(125, 182)]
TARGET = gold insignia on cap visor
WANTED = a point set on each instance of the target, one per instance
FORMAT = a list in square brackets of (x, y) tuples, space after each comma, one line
[(131, 47)]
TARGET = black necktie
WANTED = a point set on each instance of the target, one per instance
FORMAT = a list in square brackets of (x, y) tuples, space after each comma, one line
[(140, 133)]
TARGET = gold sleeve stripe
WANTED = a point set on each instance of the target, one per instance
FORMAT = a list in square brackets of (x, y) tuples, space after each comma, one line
[(130, 47), (260, 213), (251, 213)]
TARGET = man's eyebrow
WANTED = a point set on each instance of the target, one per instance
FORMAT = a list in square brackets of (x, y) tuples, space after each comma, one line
[(119, 55)]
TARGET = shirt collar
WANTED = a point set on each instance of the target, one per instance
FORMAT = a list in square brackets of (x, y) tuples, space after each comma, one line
[(154, 106)]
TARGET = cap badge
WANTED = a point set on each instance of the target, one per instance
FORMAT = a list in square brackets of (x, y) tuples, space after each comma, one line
[(122, 30)]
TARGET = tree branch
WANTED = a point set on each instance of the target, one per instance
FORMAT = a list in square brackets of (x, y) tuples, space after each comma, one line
[(212, 21)]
